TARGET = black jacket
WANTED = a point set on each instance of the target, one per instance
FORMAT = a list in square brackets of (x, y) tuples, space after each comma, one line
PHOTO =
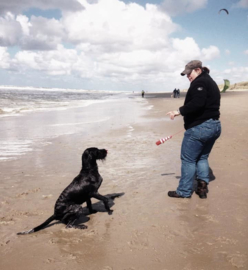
[(202, 101)]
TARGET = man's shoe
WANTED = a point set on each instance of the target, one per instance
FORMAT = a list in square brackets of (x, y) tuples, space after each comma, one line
[(173, 194), (202, 189)]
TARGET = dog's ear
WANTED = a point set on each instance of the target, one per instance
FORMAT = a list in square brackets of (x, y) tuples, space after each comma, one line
[(86, 155), (88, 159)]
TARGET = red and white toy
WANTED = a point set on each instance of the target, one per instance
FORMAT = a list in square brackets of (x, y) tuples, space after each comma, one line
[(163, 140)]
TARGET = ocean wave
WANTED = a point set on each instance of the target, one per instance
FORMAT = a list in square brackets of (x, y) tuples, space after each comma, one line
[(68, 90), (18, 108)]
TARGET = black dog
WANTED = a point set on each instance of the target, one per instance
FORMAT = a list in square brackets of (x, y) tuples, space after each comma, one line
[(84, 187)]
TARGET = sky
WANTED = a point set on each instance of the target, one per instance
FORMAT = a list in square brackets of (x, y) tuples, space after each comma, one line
[(120, 45)]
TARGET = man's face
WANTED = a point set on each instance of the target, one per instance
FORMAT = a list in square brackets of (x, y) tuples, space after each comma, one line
[(194, 73)]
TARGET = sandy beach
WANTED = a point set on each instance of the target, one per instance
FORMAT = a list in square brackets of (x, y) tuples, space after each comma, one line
[(148, 230)]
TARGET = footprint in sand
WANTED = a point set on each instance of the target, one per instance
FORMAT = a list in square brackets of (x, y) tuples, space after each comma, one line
[(238, 260), (50, 260), (225, 240), (4, 243), (139, 241), (47, 196), (108, 268), (71, 257), (4, 202), (15, 213), (53, 241), (25, 193), (6, 222)]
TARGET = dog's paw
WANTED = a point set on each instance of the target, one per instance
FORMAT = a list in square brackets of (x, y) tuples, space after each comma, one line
[(26, 232), (110, 212), (80, 227)]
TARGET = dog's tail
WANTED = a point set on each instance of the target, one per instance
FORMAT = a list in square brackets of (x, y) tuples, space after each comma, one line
[(41, 226)]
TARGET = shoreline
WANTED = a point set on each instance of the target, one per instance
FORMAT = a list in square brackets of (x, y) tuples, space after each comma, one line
[(30, 88), (148, 230)]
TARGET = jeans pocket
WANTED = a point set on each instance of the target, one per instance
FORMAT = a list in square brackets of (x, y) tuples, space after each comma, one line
[(207, 132)]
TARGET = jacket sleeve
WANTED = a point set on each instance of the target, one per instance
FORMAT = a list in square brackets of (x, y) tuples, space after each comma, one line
[(199, 96)]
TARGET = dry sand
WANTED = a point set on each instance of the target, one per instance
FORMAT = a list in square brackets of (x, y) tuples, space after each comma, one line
[(148, 230)]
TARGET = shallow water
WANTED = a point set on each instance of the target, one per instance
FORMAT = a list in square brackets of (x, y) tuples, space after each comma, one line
[(33, 118)]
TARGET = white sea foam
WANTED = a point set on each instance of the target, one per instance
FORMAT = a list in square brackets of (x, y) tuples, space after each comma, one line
[(15, 102), (129, 132), (81, 123), (31, 88), (150, 107), (9, 150)]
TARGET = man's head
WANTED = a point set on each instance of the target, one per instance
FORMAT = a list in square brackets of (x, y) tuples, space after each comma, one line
[(190, 66), (192, 69)]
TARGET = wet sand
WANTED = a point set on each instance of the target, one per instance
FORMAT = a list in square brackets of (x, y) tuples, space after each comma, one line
[(148, 230)]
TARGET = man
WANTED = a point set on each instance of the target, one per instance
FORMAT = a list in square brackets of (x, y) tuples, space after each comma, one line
[(201, 121)]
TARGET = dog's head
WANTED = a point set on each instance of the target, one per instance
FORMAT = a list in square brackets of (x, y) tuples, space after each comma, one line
[(91, 155)]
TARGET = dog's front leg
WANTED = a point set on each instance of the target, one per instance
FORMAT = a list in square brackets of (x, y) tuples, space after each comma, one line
[(89, 206), (105, 201)]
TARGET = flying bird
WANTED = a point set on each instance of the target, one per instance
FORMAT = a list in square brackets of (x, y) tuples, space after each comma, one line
[(224, 10)]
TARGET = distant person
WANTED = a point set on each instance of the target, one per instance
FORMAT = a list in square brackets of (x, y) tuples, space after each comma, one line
[(178, 93), (201, 120), (175, 93), (143, 93)]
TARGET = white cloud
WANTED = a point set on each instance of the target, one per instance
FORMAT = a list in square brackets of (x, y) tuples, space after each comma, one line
[(25, 24), (17, 6), (112, 43), (187, 50), (133, 67), (54, 62), (4, 58), (246, 52), (35, 34), (227, 52), (242, 4), (227, 71), (113, 25), (236, 74), (173, 7), (44, 34), (10, 30), (210, 53)]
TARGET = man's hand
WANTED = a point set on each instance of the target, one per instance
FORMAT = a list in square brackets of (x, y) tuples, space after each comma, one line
[(173, 114)]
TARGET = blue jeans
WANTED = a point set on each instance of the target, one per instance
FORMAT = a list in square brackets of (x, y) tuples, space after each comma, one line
[(197, 144)]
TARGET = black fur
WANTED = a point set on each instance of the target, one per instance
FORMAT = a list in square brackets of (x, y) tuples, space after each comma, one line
[(84, 187)]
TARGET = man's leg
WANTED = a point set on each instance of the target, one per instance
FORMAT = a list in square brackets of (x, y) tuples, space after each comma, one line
[(190, 151)]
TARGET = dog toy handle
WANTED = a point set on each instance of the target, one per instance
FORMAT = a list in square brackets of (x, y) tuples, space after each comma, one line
[(163, 140)]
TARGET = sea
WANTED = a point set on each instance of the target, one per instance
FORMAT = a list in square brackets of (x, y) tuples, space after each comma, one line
[(16, 101), (31, 117)]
